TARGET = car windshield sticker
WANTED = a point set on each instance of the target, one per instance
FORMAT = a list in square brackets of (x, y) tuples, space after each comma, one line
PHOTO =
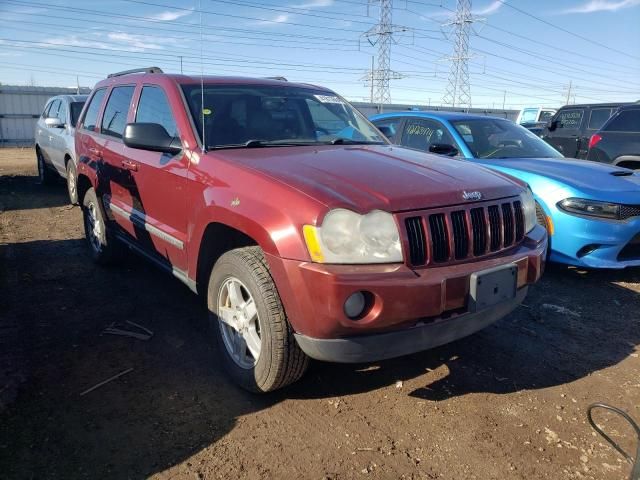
[(328, 99)]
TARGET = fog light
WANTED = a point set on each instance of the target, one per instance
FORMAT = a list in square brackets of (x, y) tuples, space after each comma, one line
[(354, 305)]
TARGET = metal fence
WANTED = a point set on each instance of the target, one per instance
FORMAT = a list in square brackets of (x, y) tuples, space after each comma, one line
[(20, 108)]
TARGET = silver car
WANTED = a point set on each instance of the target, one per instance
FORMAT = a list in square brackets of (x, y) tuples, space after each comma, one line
[(55, 147)]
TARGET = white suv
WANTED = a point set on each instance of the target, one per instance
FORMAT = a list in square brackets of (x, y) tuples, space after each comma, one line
[(54, 137)]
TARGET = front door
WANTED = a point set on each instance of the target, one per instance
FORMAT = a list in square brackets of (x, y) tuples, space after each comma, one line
[(160, 203), (566, 136)]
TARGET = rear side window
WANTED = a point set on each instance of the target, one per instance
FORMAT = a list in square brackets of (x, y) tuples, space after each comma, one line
[(91, 115), (625, 121), (114, 118), (153, 107), (569, 119), (598, 117)]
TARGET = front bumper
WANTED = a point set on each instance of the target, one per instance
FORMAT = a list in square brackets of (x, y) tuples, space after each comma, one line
[(422, 336), (314, 294), (575, 235)]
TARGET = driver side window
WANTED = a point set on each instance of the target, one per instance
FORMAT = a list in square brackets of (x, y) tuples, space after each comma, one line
[(420, 134)]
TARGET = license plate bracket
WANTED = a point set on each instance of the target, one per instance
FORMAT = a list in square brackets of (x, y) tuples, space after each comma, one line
[(492, 286)]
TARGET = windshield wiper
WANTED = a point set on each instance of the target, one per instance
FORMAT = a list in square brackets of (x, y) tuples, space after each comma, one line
[(255, 143), (348, 141)]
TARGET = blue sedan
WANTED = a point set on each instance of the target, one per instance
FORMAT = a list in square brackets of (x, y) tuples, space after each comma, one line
[(591, 210)]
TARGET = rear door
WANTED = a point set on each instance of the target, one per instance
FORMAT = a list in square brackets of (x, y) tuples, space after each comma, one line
[(566, 136), (87, 145), (621, 138), (160, 178), (116, 172), (597, 116)]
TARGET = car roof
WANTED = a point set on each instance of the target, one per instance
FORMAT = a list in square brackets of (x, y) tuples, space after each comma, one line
[(596, 105), (71, 98), (206, 79), (442, 115)]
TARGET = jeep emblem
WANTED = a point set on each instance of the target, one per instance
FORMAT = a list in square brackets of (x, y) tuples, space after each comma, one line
[(471, 195)]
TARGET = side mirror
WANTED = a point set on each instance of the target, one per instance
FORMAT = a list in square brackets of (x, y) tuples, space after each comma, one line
[(151, 136), (53, 122), (552, 125), (386, 131), (443, 149)]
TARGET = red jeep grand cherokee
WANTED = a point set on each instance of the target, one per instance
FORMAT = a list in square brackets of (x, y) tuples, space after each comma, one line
[(308, 233)]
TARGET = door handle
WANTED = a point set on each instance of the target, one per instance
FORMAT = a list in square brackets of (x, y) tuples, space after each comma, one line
[(129, 165)]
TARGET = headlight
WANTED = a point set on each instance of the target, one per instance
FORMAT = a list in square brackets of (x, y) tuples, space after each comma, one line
[(591, 208), (529, 210), (347, 237)]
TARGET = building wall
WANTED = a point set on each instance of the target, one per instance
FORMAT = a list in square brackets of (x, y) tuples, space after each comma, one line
[(20, 108)]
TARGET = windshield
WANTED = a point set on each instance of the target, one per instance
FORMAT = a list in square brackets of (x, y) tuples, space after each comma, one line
[(259, 115), (497, 138), (76, 108)]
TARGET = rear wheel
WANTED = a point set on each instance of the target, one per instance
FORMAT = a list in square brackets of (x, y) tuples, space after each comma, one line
[(255, 341), (45, 175), (72, 182), (103, 247)]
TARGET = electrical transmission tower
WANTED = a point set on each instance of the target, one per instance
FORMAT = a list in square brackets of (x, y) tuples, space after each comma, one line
[(381, 36), (458, 93)]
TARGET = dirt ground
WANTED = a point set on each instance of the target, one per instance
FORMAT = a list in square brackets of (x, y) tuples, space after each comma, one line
[(508, 402)]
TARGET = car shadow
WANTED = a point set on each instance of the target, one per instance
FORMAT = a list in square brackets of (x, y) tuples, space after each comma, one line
[(24, 192), (176, 401)]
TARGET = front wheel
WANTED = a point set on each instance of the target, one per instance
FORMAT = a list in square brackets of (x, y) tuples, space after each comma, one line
[(254, 338), (45, 175)]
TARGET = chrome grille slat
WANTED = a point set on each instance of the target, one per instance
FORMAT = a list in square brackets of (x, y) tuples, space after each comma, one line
[(439, 237)]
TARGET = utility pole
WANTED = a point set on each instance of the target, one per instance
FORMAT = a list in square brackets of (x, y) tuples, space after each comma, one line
[(77, 85), (371, 78), (180, 64), (381, 36), (504, 99), (458, 92)]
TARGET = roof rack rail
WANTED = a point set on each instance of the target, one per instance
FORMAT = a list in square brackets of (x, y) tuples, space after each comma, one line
[(136, 70), (282, 79)]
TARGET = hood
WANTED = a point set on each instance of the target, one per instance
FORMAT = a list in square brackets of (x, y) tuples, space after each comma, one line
[(583, 175), (363, 178)]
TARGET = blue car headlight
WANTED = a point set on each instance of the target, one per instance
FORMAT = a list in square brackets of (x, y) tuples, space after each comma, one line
[(591, 208)]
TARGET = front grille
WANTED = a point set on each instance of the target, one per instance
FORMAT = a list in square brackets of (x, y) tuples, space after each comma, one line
[(458, 234)]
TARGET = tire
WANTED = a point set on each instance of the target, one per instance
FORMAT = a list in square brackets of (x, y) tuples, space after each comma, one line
[(72, 182), (45, 175), (104, 248), (280, 360)]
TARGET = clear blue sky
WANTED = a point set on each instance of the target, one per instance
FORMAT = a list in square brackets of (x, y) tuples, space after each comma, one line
[(531, 50)]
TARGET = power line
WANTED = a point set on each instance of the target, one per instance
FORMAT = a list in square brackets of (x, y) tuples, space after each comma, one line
[(569, 32)]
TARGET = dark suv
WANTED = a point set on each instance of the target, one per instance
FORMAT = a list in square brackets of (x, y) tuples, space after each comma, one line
[(618, 141), (572, 126), (308, 234)]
